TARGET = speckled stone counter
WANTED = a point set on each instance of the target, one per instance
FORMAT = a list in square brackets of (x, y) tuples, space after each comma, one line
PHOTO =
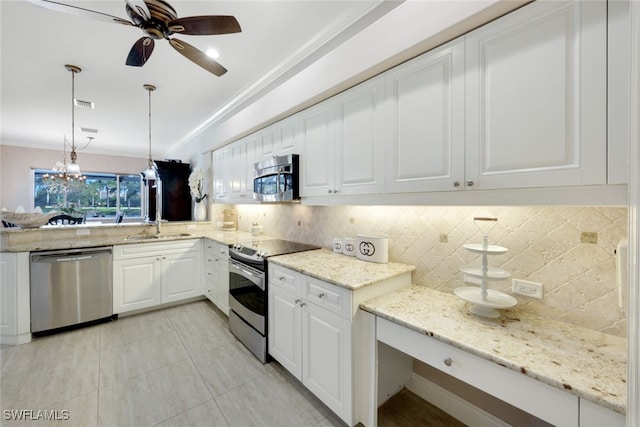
[(88, 235), (586, 363), (341, 270)]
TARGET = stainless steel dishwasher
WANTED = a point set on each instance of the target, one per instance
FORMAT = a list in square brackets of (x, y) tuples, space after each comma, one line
[(69, 287)]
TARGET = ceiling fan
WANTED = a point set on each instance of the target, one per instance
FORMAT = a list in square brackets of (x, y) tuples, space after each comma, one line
[(159, 20)]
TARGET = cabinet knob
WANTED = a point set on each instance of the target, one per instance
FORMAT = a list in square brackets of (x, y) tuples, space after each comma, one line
[(297, 301), (469, 183), (321, 295), (448, 361), (281, 278), (329, 191), (456, 183), (302, 304)]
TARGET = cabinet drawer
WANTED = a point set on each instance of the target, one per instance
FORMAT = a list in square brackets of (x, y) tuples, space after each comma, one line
[(216, 249), (284, 278), (328, 296), (138, 250), (544, 401), (210, 264)]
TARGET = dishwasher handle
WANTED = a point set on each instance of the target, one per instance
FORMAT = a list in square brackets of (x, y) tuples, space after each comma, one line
[(69, 257)]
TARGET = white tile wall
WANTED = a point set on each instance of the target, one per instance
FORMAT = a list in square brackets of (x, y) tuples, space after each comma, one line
[(544, 246)]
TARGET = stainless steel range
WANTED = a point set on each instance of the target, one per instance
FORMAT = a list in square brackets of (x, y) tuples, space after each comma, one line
[(248, 289)]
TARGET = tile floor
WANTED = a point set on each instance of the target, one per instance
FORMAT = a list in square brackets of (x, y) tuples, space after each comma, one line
[(178, 366)]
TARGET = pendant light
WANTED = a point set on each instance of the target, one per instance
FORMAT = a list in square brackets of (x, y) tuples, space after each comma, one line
[(150, 172), (73, 168)]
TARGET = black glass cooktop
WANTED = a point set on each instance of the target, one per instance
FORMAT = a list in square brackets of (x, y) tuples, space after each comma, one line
[(272, 247)]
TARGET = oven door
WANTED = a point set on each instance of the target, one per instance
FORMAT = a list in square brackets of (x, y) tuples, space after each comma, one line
[(247, 294)]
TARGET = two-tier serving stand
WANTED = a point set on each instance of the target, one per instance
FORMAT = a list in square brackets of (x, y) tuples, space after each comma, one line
[(483, 301)]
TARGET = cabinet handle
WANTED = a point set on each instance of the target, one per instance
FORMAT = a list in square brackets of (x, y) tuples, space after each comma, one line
[(469, 183), (456, 183), (448, 361), (302, 304), (329, 191), (281, 278), (321, 295), (297, 301)]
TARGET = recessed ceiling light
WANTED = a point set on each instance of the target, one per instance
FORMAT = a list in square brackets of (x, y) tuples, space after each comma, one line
[(212, 53)]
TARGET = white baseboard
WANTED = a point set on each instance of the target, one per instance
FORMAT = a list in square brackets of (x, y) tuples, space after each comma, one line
[(452, 404)]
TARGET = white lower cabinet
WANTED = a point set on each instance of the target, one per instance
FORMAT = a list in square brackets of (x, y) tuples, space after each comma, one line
[(309, 340), (15, 317), (312, 328), (216, 274), (326, 357), (592, 415), (149, 274)]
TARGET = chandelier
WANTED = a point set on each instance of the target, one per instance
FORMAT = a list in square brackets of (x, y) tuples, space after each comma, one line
[(61, 180), (65, 175)]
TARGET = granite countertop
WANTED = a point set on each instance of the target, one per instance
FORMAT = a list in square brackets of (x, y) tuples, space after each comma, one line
[(83, 236), (341, 270), (589, 364)]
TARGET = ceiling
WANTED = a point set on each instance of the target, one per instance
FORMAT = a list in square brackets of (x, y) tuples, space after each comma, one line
[(277, 37)]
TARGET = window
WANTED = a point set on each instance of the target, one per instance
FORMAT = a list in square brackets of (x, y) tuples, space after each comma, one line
[(100, 196)]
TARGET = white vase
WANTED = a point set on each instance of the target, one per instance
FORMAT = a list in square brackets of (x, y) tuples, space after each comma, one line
[(200, 211)]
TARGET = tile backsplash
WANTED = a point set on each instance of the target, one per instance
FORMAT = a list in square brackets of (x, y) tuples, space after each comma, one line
[(570, 250)]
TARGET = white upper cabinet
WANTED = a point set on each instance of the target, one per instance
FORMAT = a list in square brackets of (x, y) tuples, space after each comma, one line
[(280, 138), (221, 174), (252, 155), (425, 132), (359, 146), (536, 97), (317, 129), (342, 141)]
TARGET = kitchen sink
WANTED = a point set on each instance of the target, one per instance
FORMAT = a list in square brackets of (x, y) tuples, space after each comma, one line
[(161, 237)]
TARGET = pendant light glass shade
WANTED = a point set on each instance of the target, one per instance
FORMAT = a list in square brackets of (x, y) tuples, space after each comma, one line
[(150, 172)]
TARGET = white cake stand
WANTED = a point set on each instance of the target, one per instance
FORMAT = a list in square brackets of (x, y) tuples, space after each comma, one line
[(484, 302)]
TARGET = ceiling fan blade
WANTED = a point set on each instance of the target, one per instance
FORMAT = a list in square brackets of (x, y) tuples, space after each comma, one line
[(140, 8), (79, 11), (198, 57), (205, 25), (140, 52)]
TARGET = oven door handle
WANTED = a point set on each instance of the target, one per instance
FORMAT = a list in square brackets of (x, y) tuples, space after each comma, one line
[(256, 279)]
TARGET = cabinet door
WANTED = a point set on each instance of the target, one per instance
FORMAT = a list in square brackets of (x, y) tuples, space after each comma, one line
[(425, 132), (317, 138), (592, 415), (8, 294), (221, 162), (536, 97), (252, 155), (284, 329), (359, 144), (326, 358), (238, 169), (288, 132), (136, 283), (221, 284), (181, 276)]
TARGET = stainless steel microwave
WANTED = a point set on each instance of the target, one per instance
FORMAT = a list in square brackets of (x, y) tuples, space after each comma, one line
[(276, 179)]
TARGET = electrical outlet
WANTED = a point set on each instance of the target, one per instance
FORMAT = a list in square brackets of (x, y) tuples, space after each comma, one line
[(526, 288), (444, 238)]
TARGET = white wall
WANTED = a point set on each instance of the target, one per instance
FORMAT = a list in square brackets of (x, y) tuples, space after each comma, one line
[(16, 164)]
